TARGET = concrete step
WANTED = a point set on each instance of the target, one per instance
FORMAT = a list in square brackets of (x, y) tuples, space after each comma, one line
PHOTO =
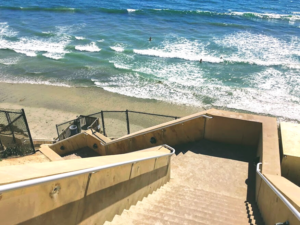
[(241, 214), (203, 205), (172, 218), (199, 215), (175, 158), (197, 195), (177, 187), (134, 214), (240, 207), (126, 219), (200, 207)]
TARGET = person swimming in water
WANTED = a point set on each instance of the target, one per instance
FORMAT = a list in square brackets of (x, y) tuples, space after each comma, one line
[(200, 60), (150, 39)]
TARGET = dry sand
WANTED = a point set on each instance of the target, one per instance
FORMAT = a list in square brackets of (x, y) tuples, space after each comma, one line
[(46, 106)]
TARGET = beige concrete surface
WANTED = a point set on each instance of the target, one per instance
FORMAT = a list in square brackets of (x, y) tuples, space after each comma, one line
[(290, 139), (287, 188), (211, 184), (49, 153), (229, 176), (270, 143), (38, 157), (85, 199), (218, 168), (290, 166), (272, 209), (231, 127), (36, 170)]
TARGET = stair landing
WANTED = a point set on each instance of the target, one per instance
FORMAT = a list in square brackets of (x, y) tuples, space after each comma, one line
[(216, 167)]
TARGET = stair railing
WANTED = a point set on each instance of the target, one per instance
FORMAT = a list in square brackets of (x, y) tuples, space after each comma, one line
[(27, 183), (274, 189)]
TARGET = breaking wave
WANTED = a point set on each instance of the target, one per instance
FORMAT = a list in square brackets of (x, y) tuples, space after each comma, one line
[(92, 47)]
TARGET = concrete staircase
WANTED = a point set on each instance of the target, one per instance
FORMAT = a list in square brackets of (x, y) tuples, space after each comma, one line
[(186, 201)]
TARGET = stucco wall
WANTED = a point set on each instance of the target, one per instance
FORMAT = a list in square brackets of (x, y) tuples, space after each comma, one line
[(84, 199), (272, 209)]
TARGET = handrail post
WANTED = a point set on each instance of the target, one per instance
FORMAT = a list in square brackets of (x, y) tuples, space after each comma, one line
[(57, 132), (103, 126), (127, 120), (10, 126), (25, 120)]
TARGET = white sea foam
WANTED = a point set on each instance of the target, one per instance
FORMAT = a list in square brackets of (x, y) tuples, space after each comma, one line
[(79, 38), (10, 61), (182, 49), (102, 40), (30, 47), (5, 30), (261, 49), (293, 16), (92, 47), (121, 66), (269, 91), (26, 80), (117, 48), (53, 47), (131, 10), (220, 95)]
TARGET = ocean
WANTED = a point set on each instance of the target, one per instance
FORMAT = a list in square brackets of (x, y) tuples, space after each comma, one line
[(250, 50)]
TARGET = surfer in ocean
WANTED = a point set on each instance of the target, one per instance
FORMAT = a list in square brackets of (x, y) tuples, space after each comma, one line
[(150, 39)]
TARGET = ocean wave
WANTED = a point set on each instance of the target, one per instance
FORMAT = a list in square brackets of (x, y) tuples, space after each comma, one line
[(121, 66), (117, 48), (293, 16), (264, 15), (10, 61), (266, 96), (181, 49), (92, 47), (55, 9), (261, 49), (131, 10), (30, 47), (6, 31), (102, 40), (79, 38), (27, 80), (53, 47)]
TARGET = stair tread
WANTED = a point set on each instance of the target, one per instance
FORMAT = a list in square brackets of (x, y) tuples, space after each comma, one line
[(165, 216), (201, 216), (150, 217), (174, 186)]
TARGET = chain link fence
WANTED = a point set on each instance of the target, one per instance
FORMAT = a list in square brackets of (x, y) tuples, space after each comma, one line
[(15, 137), (113, 124)]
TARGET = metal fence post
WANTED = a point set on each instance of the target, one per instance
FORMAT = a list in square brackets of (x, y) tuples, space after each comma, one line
[(57, 132), (10, 126), (30, 138), (127, 120), (103, 126)]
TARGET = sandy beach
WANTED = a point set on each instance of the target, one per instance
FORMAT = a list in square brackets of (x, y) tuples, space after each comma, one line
[(45, 106)]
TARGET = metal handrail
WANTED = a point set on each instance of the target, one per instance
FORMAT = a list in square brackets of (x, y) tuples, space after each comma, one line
[(27, 183), (159, 128), (283, 199), (153, 114)]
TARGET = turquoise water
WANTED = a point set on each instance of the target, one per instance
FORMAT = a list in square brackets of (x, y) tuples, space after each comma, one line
[(250, 50)]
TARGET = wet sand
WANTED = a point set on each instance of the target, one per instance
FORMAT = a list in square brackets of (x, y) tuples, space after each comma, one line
[(45, 106)]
